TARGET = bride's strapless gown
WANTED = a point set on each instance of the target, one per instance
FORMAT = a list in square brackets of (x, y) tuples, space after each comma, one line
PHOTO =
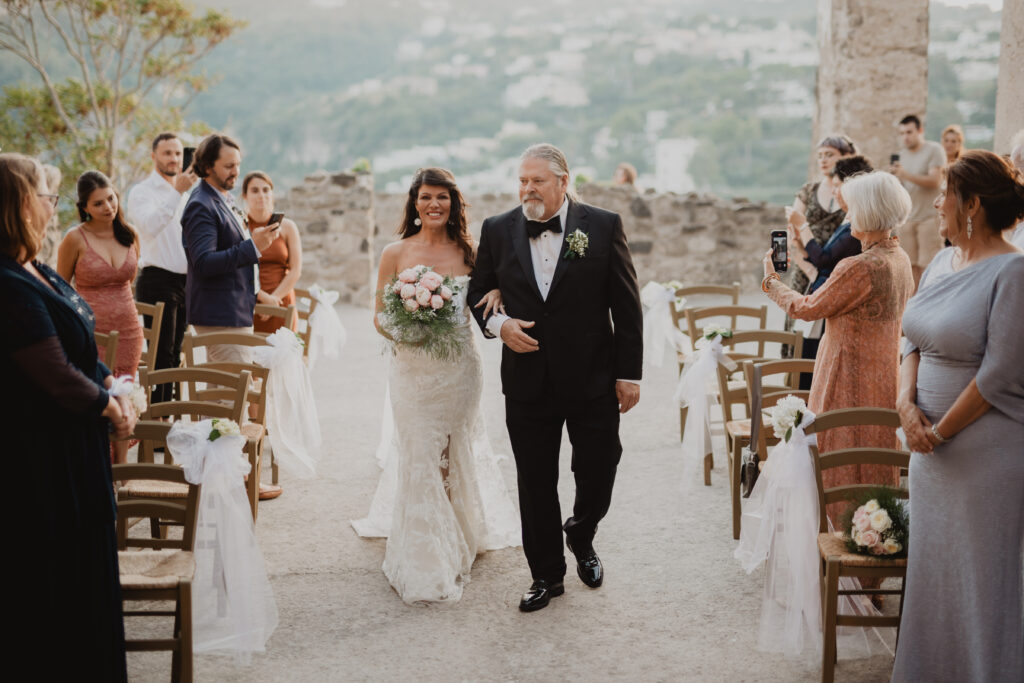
[(441, 498)]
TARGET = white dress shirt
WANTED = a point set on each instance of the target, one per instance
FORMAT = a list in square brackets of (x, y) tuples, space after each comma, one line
[(1017, 236), (154, 209)]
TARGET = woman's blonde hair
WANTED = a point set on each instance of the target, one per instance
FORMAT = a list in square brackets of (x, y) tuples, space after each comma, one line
[(20, 238), (878, 202)]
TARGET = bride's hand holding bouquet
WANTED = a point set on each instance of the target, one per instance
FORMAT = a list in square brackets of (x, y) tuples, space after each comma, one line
[(420, 310)]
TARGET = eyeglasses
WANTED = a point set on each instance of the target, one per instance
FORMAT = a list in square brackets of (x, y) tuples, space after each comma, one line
[(53, 198)]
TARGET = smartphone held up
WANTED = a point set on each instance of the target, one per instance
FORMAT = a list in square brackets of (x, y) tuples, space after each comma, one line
[(780, 251)]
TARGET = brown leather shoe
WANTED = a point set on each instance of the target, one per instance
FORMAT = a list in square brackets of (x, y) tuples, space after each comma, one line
[(270, 491)]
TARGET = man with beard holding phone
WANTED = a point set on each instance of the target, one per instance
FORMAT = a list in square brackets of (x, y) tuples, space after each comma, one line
[(222, 280), (153, 208)]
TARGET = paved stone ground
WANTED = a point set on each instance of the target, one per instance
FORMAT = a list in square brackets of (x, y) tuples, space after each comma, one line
[(675, 605)]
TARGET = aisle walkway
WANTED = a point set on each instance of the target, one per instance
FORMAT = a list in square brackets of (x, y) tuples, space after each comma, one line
[(675, 605)]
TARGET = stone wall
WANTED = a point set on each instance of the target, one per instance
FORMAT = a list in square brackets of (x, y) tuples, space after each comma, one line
[(693, 238), (1010, 86)]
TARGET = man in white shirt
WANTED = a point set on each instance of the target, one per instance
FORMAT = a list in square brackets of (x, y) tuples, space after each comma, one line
[(154, 210), (919, 166)]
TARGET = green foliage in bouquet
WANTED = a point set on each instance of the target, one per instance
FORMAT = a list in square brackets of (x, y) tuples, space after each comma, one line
[(434, 331), (895, 534)]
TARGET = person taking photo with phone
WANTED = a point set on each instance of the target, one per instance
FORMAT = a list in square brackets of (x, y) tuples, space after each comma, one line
[(281, 263)]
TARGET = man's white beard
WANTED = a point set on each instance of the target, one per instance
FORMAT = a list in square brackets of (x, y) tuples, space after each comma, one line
[(534, 209)]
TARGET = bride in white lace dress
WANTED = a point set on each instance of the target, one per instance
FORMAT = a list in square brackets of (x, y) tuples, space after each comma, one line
[(441, 499)]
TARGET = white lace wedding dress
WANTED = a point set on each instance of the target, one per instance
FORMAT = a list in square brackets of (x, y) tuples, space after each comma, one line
[(441, 498)]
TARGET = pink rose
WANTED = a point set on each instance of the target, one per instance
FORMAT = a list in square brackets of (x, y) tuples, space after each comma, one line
[(878, 549), (871, 538), (431, 280), (436, 302), (397, 289), (411, 305), (407, 275), (408, 291), (423, 296), (446, 292)]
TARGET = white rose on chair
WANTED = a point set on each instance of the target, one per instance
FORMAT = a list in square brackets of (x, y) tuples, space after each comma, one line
[(712, 331), (220, 427), (139, 399), (787, 414)]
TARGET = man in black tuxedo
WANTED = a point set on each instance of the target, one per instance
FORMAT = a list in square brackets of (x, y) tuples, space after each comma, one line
[(573, 356)]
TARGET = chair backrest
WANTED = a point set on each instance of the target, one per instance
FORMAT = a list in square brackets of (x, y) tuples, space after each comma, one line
[(696, 318), (732, 397), (176, 510), (767, 395), (154, 315), (257, 395), (108, 342), (229, 403), (731, 292), (285, 313), (305, 304), (861, 455)]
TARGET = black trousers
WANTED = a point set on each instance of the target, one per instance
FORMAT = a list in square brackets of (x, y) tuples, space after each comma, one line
[(535, 429), (154, 285)]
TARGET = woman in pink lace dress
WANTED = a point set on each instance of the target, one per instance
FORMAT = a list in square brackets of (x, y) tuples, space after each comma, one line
[(863, 302), (102, 254)]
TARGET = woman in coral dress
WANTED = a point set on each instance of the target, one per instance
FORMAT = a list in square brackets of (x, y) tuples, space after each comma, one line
[(281, 264), (863, 302), (102, 255)]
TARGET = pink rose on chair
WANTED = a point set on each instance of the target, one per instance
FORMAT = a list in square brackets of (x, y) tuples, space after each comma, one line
[(423, 296), (408, 275), (878, 549), (436, 302), (861, 520), (446, 292), (871, 538), (431, 280), (408, 291)]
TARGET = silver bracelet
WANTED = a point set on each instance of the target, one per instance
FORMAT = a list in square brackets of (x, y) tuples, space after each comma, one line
[(940, 437)]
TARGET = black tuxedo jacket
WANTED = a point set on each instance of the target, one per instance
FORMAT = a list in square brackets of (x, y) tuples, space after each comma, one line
[(590, 328)]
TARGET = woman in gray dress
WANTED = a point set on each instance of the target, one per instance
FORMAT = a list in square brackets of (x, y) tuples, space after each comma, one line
[(961, 405)]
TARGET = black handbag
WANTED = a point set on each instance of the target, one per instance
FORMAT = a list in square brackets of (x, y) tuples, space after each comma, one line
[(748, 471), (749, 459)]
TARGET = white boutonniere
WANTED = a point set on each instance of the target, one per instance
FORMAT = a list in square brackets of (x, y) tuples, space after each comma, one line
[(578, 242)]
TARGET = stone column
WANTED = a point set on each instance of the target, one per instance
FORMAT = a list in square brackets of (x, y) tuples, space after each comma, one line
[(873, 71), (1010, 86), (334, 213)]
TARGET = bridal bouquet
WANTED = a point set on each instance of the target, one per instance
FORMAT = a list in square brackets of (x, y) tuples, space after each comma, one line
[(877, 524), (420, 310)]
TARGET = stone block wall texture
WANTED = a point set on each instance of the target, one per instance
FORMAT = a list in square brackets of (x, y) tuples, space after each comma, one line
[(693, 238), (1010, 84), (873, 71)]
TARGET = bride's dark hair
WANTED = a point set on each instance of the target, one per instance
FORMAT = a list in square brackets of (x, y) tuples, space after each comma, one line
[(457, 227)]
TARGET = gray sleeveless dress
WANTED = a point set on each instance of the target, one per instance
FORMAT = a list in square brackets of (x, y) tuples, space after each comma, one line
[(963, 619)]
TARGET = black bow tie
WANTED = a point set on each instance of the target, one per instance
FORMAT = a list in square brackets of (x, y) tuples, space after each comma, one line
[(535, 228)]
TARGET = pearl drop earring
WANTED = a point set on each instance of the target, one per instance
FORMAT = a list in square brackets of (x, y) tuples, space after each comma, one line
[(417, 221), (970, 227)]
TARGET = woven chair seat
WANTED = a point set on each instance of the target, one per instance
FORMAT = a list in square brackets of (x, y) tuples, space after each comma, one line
[(253, 431), (152, 488), (738, 428), (830, 545), (154, 569)]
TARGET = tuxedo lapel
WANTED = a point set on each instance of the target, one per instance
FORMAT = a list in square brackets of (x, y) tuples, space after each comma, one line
[(575, 219), (521, 245)]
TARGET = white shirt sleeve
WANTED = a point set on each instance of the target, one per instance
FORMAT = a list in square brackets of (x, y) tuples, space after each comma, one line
[(495, 322), (148, 212)]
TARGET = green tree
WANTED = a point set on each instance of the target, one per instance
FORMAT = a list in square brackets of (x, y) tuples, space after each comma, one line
[(133, 72)]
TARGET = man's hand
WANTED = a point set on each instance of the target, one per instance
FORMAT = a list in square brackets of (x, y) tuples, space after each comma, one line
[(184, 181), (514, 337), (628, 394), (897, 170), (265, 236)]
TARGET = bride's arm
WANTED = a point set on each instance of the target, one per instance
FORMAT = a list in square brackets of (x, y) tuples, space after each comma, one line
[(387, 269)]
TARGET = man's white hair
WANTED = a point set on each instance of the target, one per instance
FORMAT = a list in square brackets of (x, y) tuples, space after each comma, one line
[(557, 162), (878, 202), (1017, 149)]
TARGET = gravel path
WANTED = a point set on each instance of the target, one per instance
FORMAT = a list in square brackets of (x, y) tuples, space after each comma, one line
[(675, 605)]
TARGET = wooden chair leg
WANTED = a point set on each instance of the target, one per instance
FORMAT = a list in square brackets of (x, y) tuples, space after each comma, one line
[(708, 464), (682, 422), (176, 653), (252, 484), (734, 486), (185, 642), (273, 468), (828, 624)]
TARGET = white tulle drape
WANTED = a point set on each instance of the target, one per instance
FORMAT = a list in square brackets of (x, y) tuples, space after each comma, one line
[(293, 425), (233, 607), (660, 332), (699, 373), (327, 334)]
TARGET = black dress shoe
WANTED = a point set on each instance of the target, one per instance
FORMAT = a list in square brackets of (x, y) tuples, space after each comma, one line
[(540, 595), (588, 565)]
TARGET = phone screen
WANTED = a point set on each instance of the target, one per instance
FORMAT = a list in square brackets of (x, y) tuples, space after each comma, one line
[(187, 157), (894, 158), (780, 256), (276, 218)]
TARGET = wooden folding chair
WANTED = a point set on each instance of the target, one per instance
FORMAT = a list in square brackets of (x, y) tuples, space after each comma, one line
[(836, 560), (254, 430), (154, 315), (287, 314), (166, 573), (108, 342), (305, 304)]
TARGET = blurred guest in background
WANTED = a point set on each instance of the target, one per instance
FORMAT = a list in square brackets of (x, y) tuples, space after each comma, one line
[(952, 142), (625, 174), (101, 255), (281, 263), (1017, 157), (919, 166), (54, 423)]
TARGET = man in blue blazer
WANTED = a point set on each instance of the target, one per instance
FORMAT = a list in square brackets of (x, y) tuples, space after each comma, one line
[(221, 283)]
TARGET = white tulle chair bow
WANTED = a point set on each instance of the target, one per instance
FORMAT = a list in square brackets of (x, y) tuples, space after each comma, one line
[(692, 392), (233, 607), (780, 527), (327, 334), (660, 332), (293, 425)]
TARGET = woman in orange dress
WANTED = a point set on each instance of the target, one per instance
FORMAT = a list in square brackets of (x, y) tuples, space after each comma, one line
[(102, 255), (863, 302), (281, 264)]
